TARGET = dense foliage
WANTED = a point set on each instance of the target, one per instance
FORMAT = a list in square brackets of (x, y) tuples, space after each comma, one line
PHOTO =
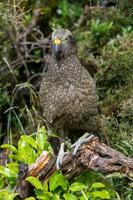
[(104, 37)]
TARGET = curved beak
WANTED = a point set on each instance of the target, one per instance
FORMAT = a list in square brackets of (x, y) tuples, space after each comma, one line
[(56, 47)]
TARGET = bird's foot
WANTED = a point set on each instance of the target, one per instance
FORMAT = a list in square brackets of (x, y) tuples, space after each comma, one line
[(85, 138), (60, 156)]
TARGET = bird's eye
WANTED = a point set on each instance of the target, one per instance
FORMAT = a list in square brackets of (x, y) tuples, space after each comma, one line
[(50, 37), (66, 38)]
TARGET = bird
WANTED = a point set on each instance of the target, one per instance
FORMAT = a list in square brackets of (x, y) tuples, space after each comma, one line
[(67, 93)]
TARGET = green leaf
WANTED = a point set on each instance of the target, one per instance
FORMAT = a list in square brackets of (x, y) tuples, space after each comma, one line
[(45, 186), (40, 194), (77, 186), (1, 182), (30, 198), (57, 179), (13, 166), (4, 195), (29, 140), (41, 138), (26, 153), (10, 147), (35, 182), (68, 196), (97, 185), (45, 195), (101, 194), (7, 172)]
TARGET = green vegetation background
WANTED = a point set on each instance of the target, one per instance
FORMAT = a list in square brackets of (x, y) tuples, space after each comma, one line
[(105, 44)]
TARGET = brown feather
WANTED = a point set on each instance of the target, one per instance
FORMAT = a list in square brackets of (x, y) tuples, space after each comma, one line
[(68, 95)]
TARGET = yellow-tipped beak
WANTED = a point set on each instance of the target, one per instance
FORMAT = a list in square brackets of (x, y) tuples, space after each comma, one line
[(57, 41), (56, 48)]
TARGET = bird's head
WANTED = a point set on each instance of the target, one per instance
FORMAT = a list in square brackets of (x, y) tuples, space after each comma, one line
[(63, 43)]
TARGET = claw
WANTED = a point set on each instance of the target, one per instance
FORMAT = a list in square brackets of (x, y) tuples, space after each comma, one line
[(85, 138), (60, 156)]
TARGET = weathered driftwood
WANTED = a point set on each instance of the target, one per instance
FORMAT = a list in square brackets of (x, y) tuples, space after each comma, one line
[(91, 155)]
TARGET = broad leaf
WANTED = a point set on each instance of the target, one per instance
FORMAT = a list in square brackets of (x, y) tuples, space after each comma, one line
[(77, 186), (68, 196), (97, 185), (45, 195), (4, 195), (35, 182), (29, 140), (41, 138), (57, 179), (101, 194), (10, 147), (26, 152), (7, 172)]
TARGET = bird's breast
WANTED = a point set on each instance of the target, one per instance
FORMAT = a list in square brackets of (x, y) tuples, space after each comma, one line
[(68, 90)]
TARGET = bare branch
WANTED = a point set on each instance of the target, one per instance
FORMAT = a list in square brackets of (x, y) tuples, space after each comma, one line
[(91, 155)]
